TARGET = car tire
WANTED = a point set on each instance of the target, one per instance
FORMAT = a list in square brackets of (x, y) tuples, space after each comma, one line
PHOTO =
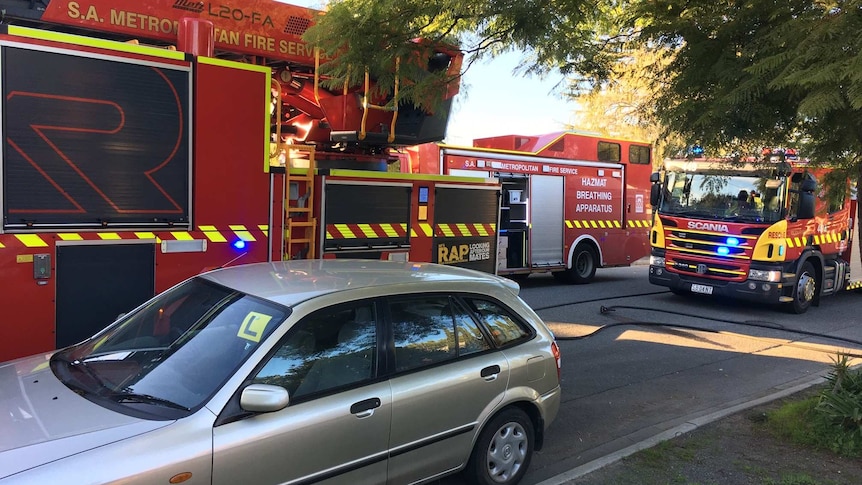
[(805, 289), (503, 450)]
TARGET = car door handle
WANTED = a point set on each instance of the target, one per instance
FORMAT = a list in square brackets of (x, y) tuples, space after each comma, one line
[(490, 373), (365, 408)]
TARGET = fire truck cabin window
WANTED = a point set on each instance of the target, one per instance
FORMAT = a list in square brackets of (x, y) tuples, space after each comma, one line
[(639, 155), (609, 152)]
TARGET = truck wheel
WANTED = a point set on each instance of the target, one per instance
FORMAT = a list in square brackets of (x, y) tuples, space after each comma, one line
[(503, 450), (584, 263), (804, 290)]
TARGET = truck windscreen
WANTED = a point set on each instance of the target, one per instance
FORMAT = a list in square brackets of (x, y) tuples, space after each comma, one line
[(726, 197)]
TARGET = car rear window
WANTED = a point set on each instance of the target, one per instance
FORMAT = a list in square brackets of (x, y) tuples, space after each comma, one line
[(431, 329), (503, 327)]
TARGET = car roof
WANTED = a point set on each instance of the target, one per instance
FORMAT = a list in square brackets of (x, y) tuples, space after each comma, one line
[(291, 282)]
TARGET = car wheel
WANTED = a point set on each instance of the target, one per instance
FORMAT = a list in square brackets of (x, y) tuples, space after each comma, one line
[(503, 451), (805, 289)]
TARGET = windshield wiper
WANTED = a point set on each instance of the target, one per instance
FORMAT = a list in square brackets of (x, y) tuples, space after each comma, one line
[(146, 399), (85, 368)]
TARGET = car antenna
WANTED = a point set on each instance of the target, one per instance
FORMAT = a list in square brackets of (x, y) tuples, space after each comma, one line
[(231, 261)]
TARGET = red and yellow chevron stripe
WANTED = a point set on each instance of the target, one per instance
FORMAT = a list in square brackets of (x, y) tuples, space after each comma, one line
[(381, 231), (213, 234), (816, 239), (606, 224)]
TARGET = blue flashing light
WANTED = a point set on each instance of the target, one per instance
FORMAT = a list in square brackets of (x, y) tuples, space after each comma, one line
[(696, 150), (723, 250), (239, 244), (732, 241)]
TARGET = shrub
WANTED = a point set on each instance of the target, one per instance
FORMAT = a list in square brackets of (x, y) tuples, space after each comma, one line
[(839, 408)]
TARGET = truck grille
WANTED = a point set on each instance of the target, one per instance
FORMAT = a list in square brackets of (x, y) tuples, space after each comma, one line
[(709, 254), (724, 269), (710, 244)]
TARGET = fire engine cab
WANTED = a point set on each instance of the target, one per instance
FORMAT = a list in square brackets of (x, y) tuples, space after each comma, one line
[(761, 229), (571, 202), (149, 141)]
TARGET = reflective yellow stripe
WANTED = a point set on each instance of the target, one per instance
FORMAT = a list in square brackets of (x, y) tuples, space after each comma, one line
[(264, 229), (242, 233), (145, 235), (212, 234), (444, 228), (426, 229), (109, 236), (367, 230), (389, 230), (31, 240), (480, 229), (182, 236), (70, 237), (345, 231)]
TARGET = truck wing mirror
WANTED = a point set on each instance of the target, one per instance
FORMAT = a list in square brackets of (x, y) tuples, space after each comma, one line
[(806, 206), (654, 194), (654, 177)]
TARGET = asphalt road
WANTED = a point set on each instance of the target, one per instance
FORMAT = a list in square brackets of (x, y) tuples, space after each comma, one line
[(640, 362)]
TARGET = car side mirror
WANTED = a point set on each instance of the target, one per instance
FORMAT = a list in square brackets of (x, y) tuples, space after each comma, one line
[(654, 177), (263, 398)]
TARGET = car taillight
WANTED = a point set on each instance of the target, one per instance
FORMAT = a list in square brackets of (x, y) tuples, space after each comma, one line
[(555, 349)]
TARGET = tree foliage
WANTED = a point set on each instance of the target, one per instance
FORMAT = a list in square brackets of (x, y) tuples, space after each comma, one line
[(621, 105), (745, 73), (356, 35)]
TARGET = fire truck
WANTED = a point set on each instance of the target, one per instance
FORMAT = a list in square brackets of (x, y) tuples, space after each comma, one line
[(571, 202), (145, 142), (762, 229)]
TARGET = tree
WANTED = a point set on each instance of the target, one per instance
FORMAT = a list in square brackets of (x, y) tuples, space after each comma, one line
[(355, 35), (748, 73), (621, 106)]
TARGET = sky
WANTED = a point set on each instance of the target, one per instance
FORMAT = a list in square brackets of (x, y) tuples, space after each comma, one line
[(493, 101)]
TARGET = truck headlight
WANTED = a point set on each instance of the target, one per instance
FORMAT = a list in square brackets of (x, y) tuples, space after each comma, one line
[(656, 261), (763, 275)]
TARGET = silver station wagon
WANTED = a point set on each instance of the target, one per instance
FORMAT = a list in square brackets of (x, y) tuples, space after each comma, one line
[(334, 371)]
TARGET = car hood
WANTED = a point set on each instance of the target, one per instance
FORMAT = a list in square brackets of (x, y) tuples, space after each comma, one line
[(43, 421)]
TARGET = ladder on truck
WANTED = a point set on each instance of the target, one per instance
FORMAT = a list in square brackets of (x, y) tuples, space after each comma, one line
[(300, 225)]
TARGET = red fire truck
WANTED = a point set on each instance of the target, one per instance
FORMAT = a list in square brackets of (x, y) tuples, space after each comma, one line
[(759, 229), (148, 141), (571, 202)]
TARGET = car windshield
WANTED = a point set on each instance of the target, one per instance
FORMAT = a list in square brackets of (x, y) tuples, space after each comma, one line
[(721, 196), (174, 352)]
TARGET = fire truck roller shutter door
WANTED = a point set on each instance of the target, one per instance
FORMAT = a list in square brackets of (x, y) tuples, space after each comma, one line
[(465, 223), (546, 220), (365, 216)]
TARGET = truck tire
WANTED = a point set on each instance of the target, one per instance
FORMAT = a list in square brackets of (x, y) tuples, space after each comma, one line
[(503, 450), (584, 264), (804, 290)]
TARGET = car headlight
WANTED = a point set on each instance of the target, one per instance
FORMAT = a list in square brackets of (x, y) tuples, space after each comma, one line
[(656, 261), (763, 275)]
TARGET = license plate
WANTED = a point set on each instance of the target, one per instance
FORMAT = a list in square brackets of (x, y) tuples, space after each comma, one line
[(706, 290)]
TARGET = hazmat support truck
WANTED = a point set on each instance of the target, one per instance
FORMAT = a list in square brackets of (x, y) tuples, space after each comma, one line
[(762, 229), (572, 202), (145, 142)]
